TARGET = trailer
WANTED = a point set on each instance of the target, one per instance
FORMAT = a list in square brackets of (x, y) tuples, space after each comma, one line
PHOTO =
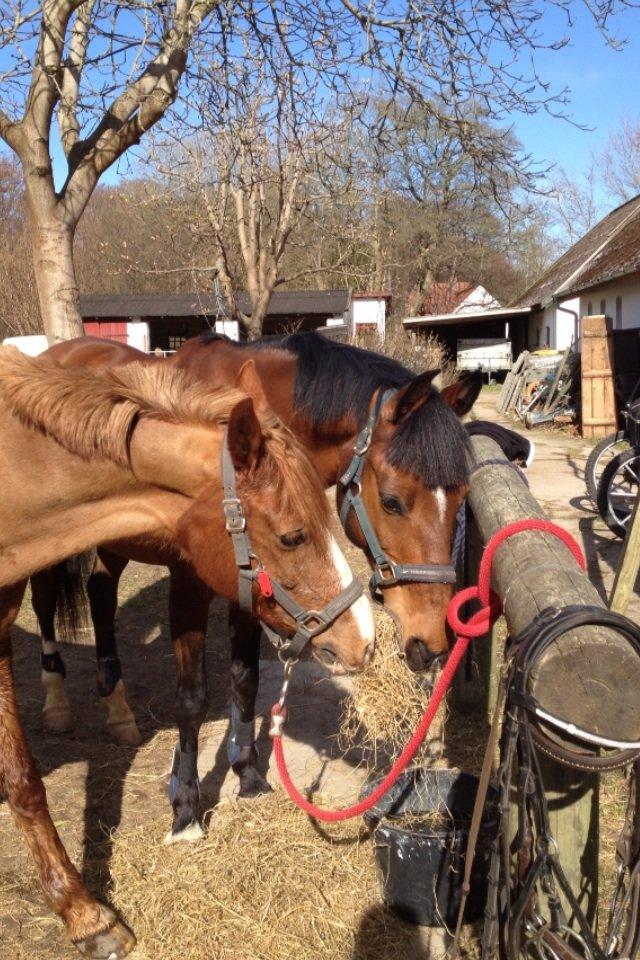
[(489, 354)]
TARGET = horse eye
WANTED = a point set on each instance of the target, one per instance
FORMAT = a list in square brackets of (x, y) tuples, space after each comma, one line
[(391, 504), (293, 539)]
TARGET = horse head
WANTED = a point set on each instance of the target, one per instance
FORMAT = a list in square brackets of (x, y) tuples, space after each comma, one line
[(412, 484)]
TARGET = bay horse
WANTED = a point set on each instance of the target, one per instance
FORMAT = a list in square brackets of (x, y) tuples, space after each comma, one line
[(145, 456), (413, 478)]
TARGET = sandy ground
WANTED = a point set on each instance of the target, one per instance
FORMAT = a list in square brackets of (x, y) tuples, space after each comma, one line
[(95, 786)]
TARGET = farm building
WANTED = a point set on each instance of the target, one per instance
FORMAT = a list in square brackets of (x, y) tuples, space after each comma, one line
[(159, 321), (459, 311), (600, 274)]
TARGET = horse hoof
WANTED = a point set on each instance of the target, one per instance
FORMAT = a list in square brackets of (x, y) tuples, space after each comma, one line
[(57, 719), (189, 834), (125, 732), (255, 787), (111, 944)]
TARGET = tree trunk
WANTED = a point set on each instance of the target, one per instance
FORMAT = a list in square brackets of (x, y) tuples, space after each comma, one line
[(253, 324), (55, 274)]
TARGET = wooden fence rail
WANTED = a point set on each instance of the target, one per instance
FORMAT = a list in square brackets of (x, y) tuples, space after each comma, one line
[(590, 677)]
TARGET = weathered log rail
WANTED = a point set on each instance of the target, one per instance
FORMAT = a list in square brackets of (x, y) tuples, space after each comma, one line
[(591, 677)]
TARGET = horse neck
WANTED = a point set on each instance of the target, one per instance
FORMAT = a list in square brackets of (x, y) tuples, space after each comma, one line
[(180, 457), (63, 505)]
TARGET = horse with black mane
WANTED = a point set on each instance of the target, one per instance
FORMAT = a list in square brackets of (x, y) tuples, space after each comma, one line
[(145, 457), (398, 493)]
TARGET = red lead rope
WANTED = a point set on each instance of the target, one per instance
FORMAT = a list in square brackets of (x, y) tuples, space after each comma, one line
[(477, 625)]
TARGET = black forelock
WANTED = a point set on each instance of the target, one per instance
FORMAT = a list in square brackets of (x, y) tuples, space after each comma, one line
[(431, 443), (337, 380)]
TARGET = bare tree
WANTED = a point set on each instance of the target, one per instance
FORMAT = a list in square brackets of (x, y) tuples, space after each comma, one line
[(620, 161), (76, 60), (256, 169), (108, 70), (575, 204)]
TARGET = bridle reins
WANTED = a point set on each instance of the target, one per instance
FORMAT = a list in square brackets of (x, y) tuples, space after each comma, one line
[(309, 623), (386, 573)]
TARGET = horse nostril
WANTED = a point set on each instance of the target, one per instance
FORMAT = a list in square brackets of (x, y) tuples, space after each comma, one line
[(418, 656), (327, 656)]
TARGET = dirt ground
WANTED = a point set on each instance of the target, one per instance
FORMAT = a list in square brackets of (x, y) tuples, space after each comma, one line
[(95, 787)]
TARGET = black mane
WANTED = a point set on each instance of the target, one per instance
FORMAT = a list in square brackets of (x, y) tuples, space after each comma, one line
[(336, 380)]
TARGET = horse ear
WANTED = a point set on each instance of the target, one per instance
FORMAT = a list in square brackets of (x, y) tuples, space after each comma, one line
[(407, 398), (462, 394), (244, 436), (248, 380)]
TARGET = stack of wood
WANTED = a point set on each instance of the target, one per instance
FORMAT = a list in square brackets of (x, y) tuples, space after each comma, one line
[(539, 388)]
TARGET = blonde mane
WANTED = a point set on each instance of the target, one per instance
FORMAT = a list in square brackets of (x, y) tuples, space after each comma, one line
[(92, 413)]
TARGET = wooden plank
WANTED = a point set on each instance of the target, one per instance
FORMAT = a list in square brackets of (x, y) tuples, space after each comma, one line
[(590, 677), (598, 395), (628, 564)]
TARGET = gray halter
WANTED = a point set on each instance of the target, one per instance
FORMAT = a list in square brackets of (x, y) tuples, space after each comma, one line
[(387, 573), (309, 623)]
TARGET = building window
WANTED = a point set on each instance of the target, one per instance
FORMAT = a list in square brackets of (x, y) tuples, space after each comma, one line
[(537, 336), (618, 313), (589, 309), (603, 307), (547, 336)]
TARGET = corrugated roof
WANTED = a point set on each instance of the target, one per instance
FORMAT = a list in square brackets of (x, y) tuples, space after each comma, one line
[(611, 249), (115, 305)]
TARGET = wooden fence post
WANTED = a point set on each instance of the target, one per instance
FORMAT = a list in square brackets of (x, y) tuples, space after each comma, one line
[(591, 677)]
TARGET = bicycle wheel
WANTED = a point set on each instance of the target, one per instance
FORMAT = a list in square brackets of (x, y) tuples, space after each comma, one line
[(602, 454), (618, 489)]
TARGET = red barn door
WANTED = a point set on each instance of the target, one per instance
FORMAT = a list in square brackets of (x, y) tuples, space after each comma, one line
[(107, 329)]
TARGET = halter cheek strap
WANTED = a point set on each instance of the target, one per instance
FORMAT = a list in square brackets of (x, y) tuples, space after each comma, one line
[(387, 573), (309, 623)]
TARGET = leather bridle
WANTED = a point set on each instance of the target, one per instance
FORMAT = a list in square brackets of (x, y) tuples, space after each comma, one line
[(309, 623), (386, 573)]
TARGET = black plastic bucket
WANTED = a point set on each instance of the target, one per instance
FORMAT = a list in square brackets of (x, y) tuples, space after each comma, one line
[(422, 867)]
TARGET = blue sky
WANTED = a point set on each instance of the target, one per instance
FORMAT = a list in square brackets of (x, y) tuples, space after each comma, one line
[(604, 85)]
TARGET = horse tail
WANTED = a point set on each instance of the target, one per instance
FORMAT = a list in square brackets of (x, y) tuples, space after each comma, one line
[(72, 602)]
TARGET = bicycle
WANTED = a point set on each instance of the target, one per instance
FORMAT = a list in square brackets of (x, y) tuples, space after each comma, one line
[(619, 484), (605, 451)]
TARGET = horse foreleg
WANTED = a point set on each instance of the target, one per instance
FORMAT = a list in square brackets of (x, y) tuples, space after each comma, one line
[(56, 712), (189, 601), (102, 588), (245, 676), (92, 927)]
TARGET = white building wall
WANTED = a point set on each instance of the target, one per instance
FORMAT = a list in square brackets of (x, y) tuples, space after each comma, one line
[(230, 328), (31, 344), (368, 312), (478, 299), (626, 313), (138, 335)]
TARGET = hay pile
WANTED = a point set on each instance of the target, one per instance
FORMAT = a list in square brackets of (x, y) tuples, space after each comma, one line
[(264, 884), (387, 703)]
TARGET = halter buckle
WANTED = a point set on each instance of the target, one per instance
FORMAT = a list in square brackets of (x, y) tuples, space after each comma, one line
[(308, 617), (234, 515), (387, 571)]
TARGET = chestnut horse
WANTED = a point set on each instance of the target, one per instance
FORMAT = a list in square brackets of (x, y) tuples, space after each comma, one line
[(412, 481), (141, 456)]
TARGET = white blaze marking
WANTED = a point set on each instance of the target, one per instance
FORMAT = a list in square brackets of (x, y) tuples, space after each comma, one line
[(361, 609), (441, 496)]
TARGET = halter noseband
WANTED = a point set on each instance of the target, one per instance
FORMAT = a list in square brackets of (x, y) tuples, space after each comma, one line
[(309, 623), (387, 573)]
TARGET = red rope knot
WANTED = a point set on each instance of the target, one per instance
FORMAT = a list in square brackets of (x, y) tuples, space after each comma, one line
[(479, 622)]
